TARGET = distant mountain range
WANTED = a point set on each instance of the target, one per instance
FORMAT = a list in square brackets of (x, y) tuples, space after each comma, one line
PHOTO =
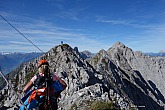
[(161, 54), (9, 61)]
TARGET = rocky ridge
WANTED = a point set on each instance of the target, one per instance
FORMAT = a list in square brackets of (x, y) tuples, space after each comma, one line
[(152, 69), (110, 76)]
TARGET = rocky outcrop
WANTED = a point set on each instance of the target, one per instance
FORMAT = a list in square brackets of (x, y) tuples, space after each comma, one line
[(131, 75), (152, 69), (110, 76), (86, 54)]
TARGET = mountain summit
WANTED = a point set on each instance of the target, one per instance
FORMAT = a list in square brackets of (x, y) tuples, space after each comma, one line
[(151, 68), (118, 78)]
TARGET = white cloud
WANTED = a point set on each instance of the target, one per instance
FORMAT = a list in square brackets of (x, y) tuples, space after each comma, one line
[(126, 22), (43, 34), (46, 35)]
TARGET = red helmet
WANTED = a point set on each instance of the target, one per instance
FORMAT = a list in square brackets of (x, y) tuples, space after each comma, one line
[(42, 62)]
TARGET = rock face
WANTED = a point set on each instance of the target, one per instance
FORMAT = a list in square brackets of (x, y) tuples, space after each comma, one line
[(86, 54), (127, 79), (152, 69), (133, 74)]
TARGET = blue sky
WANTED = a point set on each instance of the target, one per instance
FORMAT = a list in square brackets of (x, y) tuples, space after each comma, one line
[(88, 24)]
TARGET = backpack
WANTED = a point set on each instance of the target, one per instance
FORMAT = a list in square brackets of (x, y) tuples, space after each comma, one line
[(39, 93), (39, 83)]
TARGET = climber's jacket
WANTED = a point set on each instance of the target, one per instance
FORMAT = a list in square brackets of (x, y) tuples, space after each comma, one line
[(40, 89)]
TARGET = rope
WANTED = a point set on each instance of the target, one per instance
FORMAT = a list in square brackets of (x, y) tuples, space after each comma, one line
[(0, 67), (21, 33), (12, 89)]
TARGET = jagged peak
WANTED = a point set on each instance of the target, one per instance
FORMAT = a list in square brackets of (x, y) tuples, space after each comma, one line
[(118, 44), (60, 48), (102, 50)]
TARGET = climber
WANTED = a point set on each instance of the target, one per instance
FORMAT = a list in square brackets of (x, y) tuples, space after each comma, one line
[(46, 86)]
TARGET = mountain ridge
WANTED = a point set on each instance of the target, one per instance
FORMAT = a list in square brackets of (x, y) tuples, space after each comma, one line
[(16, 58), (109, 76)]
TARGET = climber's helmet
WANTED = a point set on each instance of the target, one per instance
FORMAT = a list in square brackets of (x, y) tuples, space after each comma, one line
[(42, 62)]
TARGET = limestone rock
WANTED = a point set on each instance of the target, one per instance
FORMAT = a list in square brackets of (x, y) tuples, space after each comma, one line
[(128, 79)]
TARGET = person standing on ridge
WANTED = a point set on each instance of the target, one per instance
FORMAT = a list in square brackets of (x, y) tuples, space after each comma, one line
[(47, 86), (61, 42)]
